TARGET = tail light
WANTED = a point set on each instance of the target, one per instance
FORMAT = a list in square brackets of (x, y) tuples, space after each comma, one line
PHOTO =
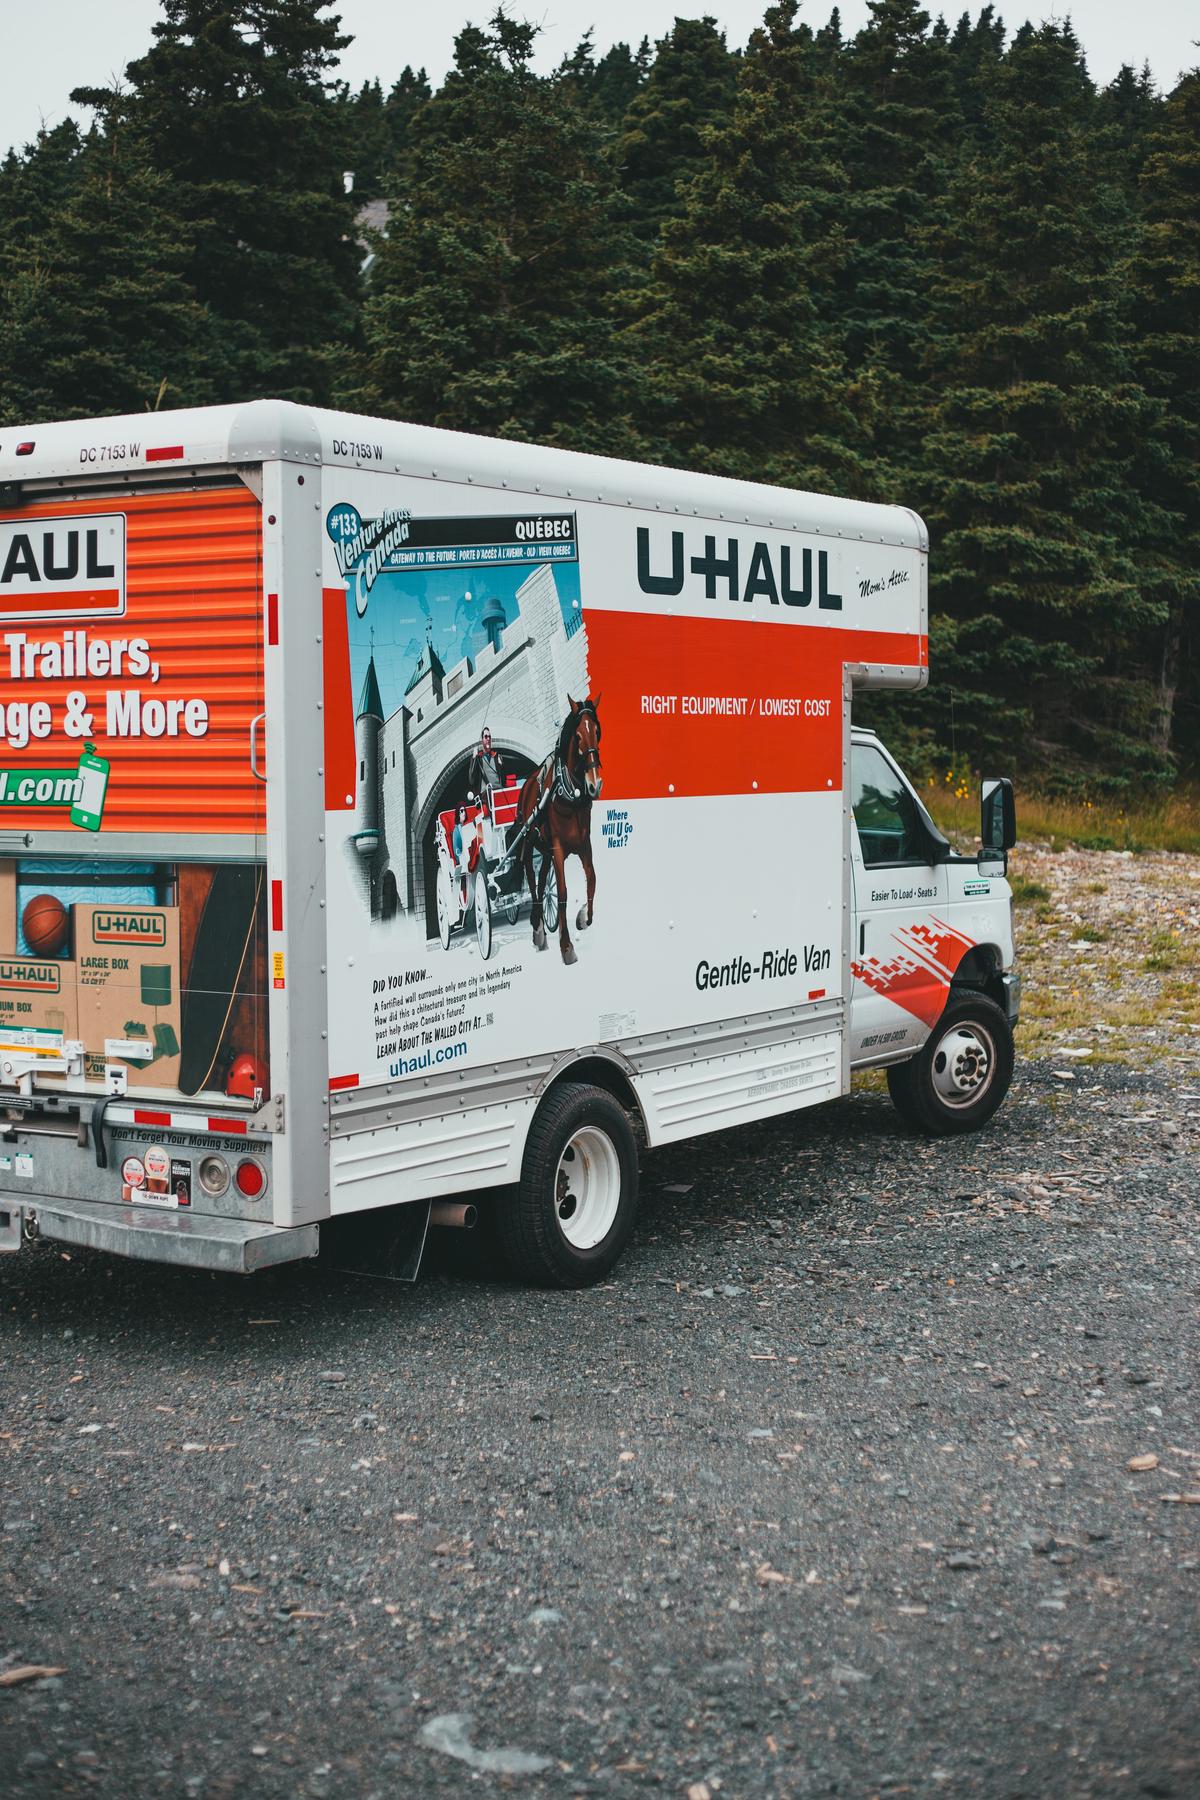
[(250, 1178)]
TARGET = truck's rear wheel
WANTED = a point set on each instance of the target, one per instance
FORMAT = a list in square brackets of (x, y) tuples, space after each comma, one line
[(963, 1073), (568, 1221)]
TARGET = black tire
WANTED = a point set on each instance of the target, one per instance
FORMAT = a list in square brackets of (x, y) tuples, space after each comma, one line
[(533, 1236), (918, 1087)]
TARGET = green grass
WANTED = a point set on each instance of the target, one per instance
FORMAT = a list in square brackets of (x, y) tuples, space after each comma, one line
[(1167, 952), (1025, 891), (1171, 822)]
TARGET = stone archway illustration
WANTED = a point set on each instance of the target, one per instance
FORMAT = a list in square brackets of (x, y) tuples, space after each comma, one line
[(445, 793)]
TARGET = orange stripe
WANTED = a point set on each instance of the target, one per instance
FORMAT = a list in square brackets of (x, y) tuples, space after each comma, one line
[(93, 600), (341, 765), (638, 662)]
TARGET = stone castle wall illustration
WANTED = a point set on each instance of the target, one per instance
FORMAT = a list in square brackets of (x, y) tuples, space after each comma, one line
[(517, 685)]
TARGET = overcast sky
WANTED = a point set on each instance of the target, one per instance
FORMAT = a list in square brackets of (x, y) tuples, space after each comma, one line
[(61, 44)]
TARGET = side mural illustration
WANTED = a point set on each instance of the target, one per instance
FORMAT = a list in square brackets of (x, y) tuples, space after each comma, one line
[(574, 724), (476, 737)]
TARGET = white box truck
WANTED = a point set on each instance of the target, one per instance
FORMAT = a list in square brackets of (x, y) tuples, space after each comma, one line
[(392, 819)]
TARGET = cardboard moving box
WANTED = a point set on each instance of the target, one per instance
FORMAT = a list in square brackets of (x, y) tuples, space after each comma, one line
[(127, 980), (38, 992)]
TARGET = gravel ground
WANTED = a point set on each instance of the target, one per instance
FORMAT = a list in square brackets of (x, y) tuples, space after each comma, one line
[(829, 1491), (1112, 956)]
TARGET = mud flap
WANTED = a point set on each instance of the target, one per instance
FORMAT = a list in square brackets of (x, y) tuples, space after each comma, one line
[(388, 1243)]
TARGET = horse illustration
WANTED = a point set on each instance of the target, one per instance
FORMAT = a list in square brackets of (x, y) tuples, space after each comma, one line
[(556, 809)]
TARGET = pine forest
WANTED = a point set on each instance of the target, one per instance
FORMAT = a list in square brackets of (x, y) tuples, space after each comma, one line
[(933, 263)]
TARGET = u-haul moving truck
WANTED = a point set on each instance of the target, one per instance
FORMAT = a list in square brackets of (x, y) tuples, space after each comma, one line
[(389, 816)]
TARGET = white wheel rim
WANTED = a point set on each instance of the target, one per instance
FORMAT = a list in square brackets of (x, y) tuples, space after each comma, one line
[(963, 1064), (587, 1188), (483, 915)]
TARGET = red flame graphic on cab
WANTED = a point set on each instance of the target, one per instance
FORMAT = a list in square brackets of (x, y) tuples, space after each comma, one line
[(918, 977)]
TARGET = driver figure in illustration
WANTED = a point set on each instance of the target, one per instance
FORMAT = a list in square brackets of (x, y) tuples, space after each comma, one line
[(486, 772)]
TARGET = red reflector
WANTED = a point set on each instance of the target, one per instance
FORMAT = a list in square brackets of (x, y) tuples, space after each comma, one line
[(165, 453), (26, 449), (277, 906), (141, 1117), (227, 1124), (250, 1179), (816, 993), (272, 618), (343, 1081)]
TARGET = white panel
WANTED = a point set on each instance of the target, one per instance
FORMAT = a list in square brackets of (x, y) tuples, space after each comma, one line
[(416, 1160), (732, 1090)]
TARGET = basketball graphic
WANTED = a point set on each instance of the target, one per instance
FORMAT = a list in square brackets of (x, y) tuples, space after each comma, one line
[(44, 922)]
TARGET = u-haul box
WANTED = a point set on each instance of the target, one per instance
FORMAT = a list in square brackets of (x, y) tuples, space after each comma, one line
[(127, 981), (508, 804), (37, 993)]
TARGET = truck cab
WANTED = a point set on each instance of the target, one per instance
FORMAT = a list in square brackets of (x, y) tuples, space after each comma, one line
[(934, 987)]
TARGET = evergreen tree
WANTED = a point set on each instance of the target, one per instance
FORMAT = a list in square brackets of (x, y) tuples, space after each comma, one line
[(744, 373), (98, 316), (620, 73), (377, 131), (1166, 276), (690, 86), (605, 87), (1032, 435), (234, 104), (829, 40), (491, 297), (976, 47), (900, 126), (1129, 105), (33, 187), (576, 73), (368, 140), (407, 96)]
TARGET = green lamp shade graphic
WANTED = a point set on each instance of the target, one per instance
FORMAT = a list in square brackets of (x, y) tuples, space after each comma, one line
[(156, 984), (88, 808)]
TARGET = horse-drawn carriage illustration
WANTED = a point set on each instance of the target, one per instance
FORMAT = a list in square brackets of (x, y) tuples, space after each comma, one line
[(480, 880), (516, 836)]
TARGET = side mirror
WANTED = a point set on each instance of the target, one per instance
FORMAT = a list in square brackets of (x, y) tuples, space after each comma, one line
[(998, 815)]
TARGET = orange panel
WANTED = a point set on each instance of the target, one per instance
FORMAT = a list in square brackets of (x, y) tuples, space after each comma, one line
[(194, 600), (724, 706)]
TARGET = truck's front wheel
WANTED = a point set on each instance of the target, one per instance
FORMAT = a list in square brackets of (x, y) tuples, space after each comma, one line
[(572, 1214), (959, 1079)]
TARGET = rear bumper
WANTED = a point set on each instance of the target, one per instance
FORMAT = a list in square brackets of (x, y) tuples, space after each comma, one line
[(1012, 996), (187, 1240)]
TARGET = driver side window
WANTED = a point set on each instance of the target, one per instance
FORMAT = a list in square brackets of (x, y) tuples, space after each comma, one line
[(885, 813)]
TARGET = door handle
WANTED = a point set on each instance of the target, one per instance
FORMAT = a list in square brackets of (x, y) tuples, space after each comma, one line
[(862, 937), (256, 721)]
